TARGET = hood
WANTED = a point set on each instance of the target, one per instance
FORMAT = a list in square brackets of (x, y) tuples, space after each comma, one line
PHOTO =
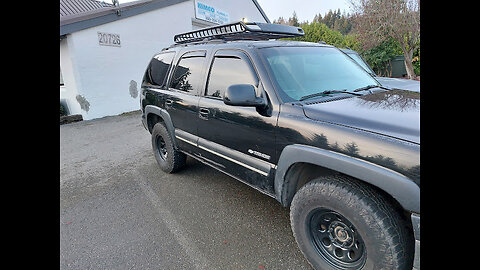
[(395, 113), (401, 84)]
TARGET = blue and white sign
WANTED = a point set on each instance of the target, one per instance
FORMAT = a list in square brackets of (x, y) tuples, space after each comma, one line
[(210, 13)]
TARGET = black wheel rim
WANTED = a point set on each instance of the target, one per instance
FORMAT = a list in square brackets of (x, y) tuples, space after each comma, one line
[(335, 239), (162, 148)]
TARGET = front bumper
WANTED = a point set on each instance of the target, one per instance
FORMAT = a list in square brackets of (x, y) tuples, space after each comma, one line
[(416, 233)]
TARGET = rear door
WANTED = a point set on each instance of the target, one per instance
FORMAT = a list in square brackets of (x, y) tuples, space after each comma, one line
[(237, 140)]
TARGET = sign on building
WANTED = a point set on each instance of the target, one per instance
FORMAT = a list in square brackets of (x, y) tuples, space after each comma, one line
[(210, 13), (108, 39)]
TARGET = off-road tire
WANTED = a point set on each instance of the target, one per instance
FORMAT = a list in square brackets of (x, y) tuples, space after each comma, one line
[(169, 159), (388, 242)]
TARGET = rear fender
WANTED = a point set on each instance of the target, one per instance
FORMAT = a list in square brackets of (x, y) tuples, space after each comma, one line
[(165, 116)]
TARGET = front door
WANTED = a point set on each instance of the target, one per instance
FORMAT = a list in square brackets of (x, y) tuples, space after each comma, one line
[(237, 140)]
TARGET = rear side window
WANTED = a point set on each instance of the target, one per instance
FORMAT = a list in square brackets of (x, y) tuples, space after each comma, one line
[(157, 70), (228, 70), (188, 74)]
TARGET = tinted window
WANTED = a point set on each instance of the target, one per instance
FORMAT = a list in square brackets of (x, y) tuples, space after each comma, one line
[(158, 69), (227, 71), (188, 74)]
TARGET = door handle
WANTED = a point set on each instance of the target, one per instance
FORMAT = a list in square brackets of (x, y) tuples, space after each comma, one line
[(203, 113), (168, 102)]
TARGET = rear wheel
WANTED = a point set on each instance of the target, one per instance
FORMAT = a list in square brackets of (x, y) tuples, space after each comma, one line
[(169, 159), (340, 223)]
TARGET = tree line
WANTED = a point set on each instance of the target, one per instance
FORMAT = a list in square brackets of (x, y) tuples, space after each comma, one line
[(335, 20)]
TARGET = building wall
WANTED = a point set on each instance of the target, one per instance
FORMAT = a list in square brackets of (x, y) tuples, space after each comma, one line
[(105, 80), (68, 91)]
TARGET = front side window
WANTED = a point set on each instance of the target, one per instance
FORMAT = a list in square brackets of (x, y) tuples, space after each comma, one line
[(188, 74), (228, 70), (157, 70), (302, 71)]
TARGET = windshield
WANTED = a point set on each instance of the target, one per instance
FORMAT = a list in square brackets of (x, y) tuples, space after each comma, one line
[(302, 71)]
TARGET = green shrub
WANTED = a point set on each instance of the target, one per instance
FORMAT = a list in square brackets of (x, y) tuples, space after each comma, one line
[(378, 58)]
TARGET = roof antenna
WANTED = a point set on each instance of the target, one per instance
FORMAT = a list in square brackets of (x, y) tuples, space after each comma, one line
[(116, 5)]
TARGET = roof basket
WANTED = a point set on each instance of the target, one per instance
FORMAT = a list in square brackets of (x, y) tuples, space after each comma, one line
[(240, 31)]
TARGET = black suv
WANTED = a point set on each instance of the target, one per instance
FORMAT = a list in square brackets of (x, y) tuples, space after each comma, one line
[(300, 122)]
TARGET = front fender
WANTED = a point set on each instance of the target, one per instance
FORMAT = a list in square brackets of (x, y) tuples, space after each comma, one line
[(400, 187)]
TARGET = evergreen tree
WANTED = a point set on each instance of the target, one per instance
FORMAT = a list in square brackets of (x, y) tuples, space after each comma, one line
[(293, 20), (336, 20), (280, 20)]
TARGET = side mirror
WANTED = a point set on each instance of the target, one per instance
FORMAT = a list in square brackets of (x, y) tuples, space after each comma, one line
[(242, 95)]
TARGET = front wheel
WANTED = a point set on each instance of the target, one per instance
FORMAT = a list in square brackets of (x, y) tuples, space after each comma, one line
[(340, 223)]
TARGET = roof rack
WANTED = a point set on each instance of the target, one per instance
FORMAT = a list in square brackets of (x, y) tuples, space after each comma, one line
[(240, 31)]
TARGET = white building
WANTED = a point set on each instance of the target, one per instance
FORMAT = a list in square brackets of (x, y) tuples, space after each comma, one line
[(105, 48)]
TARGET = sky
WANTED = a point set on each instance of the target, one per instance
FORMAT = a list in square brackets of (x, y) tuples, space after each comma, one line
[(305, 9)]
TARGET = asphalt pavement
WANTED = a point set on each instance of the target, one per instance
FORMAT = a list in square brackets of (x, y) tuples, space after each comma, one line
[(118, 210)]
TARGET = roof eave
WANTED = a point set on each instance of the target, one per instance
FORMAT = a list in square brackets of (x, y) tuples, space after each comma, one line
[(69, 24), (72, 23)]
